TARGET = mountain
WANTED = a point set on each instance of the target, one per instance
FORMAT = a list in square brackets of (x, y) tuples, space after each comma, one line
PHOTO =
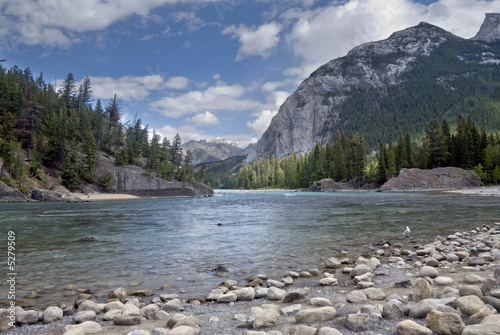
[(384, 89), (213, 150)]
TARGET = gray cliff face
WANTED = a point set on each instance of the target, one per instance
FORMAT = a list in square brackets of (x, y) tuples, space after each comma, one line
[(212, 151), (133, 180), (301, 119), (490, 29)]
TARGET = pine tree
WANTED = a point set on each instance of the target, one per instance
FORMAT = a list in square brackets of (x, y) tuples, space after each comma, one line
[(435, 145)]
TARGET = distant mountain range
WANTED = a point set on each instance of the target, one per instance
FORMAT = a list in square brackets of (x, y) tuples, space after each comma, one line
[(213, 150), (384, 89)]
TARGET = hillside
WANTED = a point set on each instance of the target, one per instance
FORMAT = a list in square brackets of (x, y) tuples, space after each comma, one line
[(213, 150), (384, 89)]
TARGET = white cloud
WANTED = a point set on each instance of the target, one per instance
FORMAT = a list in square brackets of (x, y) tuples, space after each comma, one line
[(320, 35), (205, 119), (259, 125), (186, 132), (39, 22), (133, 87), (255, 42), (193, 22), (218, 97), (177, 83)]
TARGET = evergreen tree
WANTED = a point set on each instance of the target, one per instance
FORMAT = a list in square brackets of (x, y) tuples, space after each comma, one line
[(435, 145)]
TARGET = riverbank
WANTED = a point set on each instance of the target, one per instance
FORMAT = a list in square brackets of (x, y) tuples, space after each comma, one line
[(486, 191), (397, 287)]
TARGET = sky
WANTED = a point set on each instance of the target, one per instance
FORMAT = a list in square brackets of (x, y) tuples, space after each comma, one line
[(207, 69)]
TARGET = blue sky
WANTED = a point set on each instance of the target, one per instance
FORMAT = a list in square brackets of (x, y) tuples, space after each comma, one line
[(205, 68)]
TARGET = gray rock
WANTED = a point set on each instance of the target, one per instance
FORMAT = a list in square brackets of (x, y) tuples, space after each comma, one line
[(473, 279), (130, 309), (319, 314), (422, 308), (291, 310), (189, 321), (302, 330), (392, 311), (444, 323), (160, 331), (9, 194), (183, 330), (361, 322), (470, 304), (320, 302), (89, 305), (452, 257), (374, 293), (327, 331), (51, 314), (214, 294), (266, 318), (225, 298), (360, 270), (27, 317), (119, 293), (470, 290), (127, 320), (422, 290), (428, 271), (494, 302), (356, 297), (410, 327), (329, 281), (489, 284), (474, 261), (151, 312), (112, 305), (245, 294), (87, 327), (482, 329), (296, 297), (83, 316), (275, 283), (333, 263), (441, 280), (370, 309), (275, 293)]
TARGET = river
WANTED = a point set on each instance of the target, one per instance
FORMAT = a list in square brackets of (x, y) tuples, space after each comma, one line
[(148, 243)]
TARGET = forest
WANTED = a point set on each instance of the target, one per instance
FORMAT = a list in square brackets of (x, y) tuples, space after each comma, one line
[(346, 159), (60, 131)]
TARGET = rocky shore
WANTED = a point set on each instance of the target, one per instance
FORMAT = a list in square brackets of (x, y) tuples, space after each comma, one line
[(447, 286)]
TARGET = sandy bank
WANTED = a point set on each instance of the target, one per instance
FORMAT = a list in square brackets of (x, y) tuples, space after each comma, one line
[(479, 191), (105, 196)]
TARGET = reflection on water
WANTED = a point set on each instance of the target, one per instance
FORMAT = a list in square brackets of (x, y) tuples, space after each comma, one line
[(178, 241)]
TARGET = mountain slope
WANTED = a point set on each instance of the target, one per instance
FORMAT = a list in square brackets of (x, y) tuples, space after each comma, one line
[(213, 150), (387, 88)]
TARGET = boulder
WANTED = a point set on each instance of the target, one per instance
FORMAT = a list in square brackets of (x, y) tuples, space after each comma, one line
[(482, 329), (391, 311), (473, 279), (130, 309), (327, 331), (320, 302), (27, 317), (275, 283), (119, 293), (51, 314), (361, 322), (328, 281), (291, 310), (470, 290), (428, 271), (245, 294), (315, 315), (127, 320), (87, 327), (275, 293), (440, 280), (374, 293), (356, 297), (333, 263), (409, 327), (470, 304), (183, 330), (80, 317), (295, 297), (480, 315), (151, 312), (421, 290), (360, 270), (266, 318), (89, 305), (174, 305), (301, 330), (444, 323)]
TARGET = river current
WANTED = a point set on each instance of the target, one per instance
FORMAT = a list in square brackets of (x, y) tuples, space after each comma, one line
[(148, 243)]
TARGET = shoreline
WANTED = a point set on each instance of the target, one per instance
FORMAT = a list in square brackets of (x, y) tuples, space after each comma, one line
[(390, 266)]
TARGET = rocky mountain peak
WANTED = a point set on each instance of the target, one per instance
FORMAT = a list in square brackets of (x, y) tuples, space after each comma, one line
[(490, 29)]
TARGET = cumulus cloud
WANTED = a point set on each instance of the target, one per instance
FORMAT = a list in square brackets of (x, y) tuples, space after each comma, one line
[(219, 97), (319, 35), (259, 125), (186, 132), (193, 22), (39, 22), (204, 119), (259, 41), (134, 87)]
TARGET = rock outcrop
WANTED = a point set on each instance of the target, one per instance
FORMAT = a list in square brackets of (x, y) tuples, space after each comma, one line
[(490, 29), (135, 180), (439, 178), (9, 194)]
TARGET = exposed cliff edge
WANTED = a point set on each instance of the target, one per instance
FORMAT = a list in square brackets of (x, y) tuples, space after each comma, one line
[(134, 180), (439, 178), (330, 185), (490, 29), (9, 194)]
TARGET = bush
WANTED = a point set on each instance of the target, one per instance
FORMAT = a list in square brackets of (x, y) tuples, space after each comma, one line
[(107, 180)]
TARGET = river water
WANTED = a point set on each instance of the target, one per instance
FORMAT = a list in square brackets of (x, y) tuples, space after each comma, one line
[(148, 243)]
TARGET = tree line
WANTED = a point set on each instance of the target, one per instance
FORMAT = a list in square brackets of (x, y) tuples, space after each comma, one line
[(346, 158), (62, 130)]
